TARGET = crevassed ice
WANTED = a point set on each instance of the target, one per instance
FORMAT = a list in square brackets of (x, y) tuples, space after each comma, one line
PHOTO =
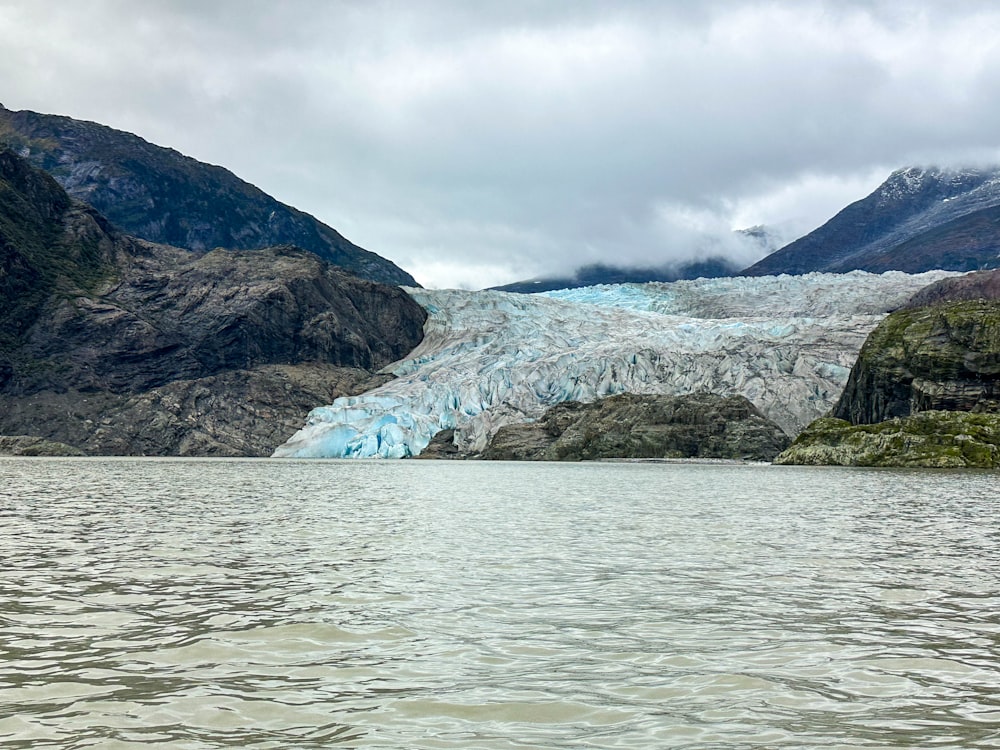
[(491, 358)]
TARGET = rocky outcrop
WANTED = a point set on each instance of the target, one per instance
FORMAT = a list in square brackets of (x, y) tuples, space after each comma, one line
[(941, 357), (49, 246), (982, 285), (930, 439), (442, 446), (165, 197), (168, 315), (925, 390), (31, 445), (700, 425), (232, 413), (120, 346)]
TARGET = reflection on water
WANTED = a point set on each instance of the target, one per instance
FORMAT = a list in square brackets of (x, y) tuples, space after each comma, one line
[(269, 604)]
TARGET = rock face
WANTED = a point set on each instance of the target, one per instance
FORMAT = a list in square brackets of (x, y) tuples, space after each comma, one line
[(700, 425), (232, 413), (120, 346), (163, 196), (442, 446), (930, 439), (941, 357), (917, 220), (490, 359), (983, 285)]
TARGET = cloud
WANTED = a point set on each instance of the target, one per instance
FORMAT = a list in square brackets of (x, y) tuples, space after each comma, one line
[(481, 143)]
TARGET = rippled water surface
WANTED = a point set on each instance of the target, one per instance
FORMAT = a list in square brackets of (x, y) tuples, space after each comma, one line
[(268, 604)]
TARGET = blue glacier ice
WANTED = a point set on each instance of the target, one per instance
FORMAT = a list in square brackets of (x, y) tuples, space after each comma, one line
[(491, 358)]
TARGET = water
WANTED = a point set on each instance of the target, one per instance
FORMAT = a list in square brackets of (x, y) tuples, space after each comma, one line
[(268, 604)]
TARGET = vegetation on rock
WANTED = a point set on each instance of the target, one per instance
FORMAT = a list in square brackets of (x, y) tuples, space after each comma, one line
[(925, 390), (945, 356), (930, 439)]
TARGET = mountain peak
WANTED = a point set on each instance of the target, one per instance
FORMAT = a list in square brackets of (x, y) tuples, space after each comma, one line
[(160, 195), (921, 218)]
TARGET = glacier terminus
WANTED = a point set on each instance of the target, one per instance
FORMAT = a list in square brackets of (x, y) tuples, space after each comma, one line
[(492, 358)]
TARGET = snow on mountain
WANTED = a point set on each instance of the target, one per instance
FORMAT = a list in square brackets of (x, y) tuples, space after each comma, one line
[(493, 358)]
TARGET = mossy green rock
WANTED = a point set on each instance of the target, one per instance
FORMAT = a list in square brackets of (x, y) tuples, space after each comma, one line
[(940, 357), (932, 439)]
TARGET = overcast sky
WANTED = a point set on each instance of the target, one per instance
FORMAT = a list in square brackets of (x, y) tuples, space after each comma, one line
[(476, 143)]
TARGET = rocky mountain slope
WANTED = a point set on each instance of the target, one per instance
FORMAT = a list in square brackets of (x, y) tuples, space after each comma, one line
[(160, 195), (917, 220), (925, 390), (489, 359), (119, 346), (699, 425)]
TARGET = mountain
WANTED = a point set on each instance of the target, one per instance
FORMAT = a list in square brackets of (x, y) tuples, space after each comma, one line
[(490, 359), (760, 239), (917, 220), (120, 346), (599, 273), (160, 195)]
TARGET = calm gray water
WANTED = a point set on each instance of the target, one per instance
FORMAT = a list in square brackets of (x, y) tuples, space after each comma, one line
[(280, 604)]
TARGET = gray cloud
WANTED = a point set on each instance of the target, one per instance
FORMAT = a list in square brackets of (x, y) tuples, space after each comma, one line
[(476, 143)]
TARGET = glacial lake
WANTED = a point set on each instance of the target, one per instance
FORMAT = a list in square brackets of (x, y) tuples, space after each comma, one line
[(160, 603)]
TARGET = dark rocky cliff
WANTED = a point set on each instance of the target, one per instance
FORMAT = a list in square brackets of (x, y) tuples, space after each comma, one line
[(121, 346), (699, 425), (160, 195), (941, 357)]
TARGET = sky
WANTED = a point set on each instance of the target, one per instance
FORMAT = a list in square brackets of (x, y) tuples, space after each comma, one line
[(476, 143)]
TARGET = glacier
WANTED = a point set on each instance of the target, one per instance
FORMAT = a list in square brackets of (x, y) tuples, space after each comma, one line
[(492, 358)]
